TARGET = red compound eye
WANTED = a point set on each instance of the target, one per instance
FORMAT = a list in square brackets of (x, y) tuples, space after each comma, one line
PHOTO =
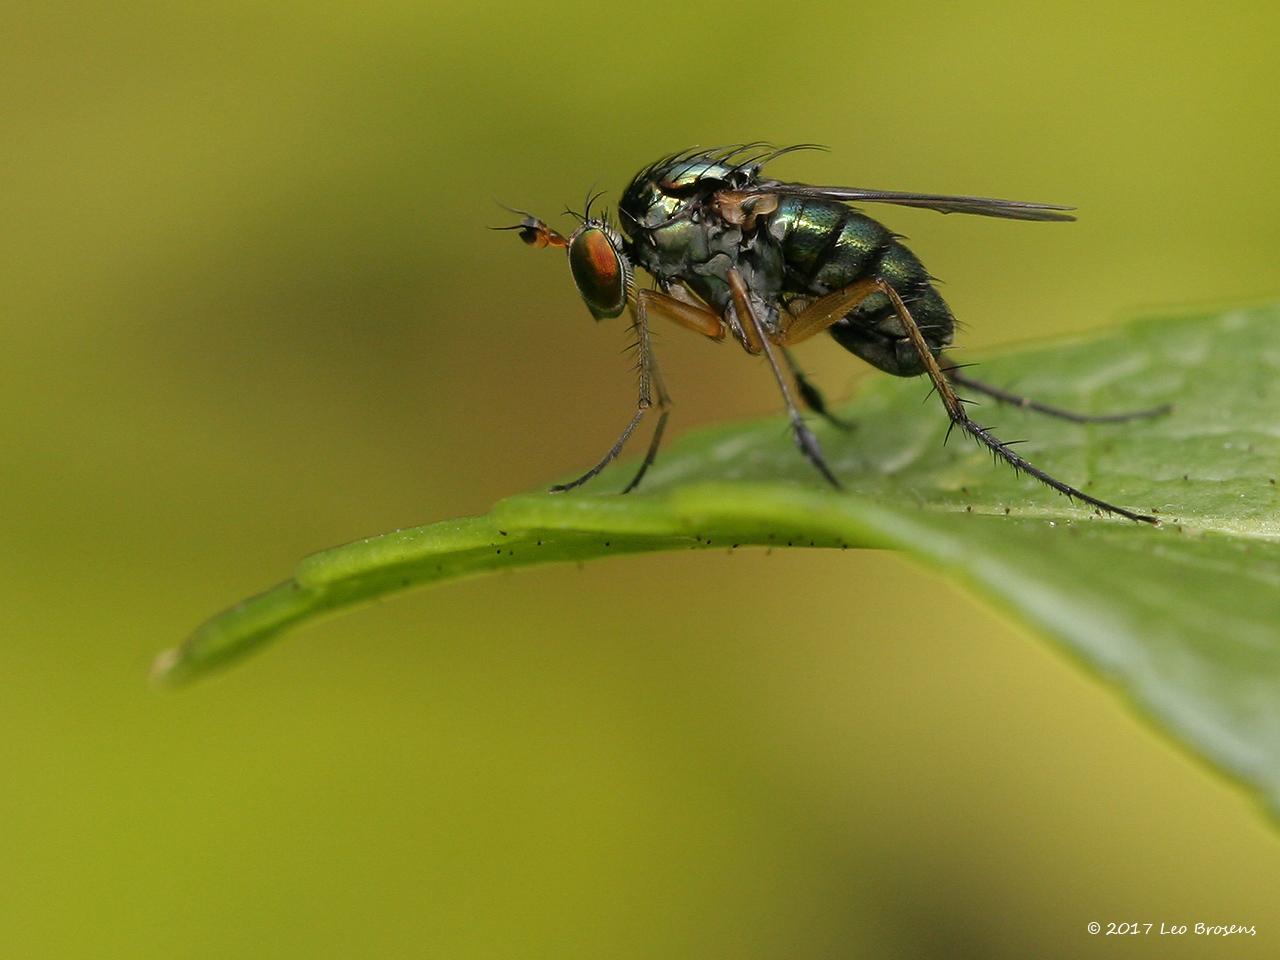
[(599, 271)]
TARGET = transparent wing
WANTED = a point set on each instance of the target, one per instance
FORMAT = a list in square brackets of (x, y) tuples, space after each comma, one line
[(981, 206)]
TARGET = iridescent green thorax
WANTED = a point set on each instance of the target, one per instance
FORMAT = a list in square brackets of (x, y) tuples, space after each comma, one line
[(671, 237), (654, 195)]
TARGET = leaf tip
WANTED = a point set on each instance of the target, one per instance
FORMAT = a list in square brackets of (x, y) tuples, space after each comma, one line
[(163, 674)]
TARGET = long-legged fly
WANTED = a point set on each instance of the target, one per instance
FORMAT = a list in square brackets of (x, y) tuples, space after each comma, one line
[(773, 263)]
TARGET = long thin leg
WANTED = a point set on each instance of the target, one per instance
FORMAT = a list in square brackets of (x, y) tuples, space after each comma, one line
[(640, 324), (692, 317), (1026, 403), (824, 312), (960, 418), (805, 439), (664, 404), (651, 454), (608, 458), (811, 395)]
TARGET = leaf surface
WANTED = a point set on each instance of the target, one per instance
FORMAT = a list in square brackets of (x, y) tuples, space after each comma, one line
[(1184, 619)]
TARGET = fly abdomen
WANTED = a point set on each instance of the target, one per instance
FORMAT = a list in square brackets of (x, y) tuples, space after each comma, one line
[(828, 246)]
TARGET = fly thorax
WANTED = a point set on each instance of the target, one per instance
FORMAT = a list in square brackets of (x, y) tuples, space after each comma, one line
[(763, 267), (679, 245)]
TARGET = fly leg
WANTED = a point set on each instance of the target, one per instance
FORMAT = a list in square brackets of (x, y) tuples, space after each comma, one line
[(642, 405), (822, 313), (695, 318), (691, 316), (756, 335), (1026, 403), (811, 395), (664, 405)]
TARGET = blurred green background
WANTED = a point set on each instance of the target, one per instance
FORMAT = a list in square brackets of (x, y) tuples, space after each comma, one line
[(249, 311)]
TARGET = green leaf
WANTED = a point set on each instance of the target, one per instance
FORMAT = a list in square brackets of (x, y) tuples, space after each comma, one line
[(1183, 619)]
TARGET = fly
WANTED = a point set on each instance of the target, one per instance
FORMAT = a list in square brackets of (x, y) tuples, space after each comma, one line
[(772, 263)]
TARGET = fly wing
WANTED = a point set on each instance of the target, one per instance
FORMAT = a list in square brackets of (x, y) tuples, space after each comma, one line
[(982, 206)]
